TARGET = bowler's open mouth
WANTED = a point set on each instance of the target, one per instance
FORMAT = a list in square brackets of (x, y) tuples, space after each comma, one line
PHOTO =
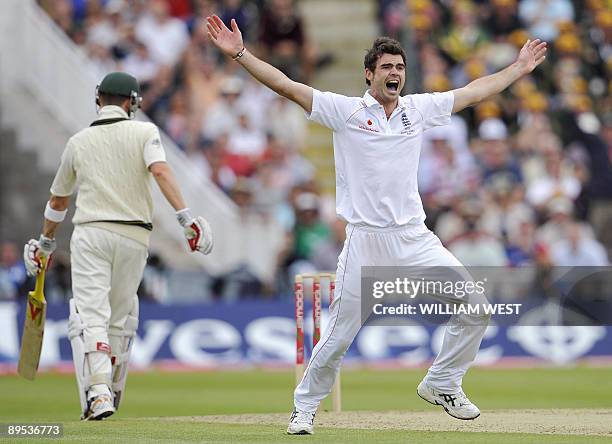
[(392, 85)]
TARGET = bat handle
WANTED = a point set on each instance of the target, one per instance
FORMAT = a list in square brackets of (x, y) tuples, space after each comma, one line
[(40, 278)]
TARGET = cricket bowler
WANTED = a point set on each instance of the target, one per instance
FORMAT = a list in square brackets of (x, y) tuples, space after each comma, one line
[(112, 162), (377, 140)]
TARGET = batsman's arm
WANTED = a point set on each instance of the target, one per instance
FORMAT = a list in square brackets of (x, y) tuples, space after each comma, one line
[(530, 56), (58, 205), (231, 44), (167, 184), (196, 229), (55, 212)]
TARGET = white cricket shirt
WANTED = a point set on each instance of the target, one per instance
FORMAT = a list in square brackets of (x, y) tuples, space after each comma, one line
[(377, 159), (109, 163)]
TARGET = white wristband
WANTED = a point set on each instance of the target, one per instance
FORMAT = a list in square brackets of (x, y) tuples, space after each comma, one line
[(54, 215), (184, 216)]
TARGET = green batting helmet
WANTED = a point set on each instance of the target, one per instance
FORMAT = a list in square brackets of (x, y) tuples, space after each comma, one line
[(121, 84)]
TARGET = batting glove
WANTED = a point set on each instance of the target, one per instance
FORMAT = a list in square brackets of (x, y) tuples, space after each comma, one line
[(197, 231), (32, 251)]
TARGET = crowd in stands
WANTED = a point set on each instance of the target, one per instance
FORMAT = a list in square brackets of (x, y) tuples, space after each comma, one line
[(524, 178)]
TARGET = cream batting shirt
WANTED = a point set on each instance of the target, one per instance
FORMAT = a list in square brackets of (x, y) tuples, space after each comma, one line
[(109, 163), (377, 159)]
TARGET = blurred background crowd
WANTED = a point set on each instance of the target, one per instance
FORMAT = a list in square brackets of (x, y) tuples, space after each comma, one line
[(522, 179)]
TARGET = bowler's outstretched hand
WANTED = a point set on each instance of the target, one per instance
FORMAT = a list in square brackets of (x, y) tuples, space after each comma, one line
[(228, 41), (532, 54)]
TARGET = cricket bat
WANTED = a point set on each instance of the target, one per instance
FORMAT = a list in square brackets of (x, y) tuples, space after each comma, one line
[(33, 327)]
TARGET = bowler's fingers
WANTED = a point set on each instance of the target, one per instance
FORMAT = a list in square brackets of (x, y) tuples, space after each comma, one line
[(540, 60), (212, 34), (534, 43), (234, 25), (220, 23), (212, 24), (538, 54)]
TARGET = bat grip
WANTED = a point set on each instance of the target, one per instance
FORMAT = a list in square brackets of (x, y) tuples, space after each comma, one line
[(40, 279)]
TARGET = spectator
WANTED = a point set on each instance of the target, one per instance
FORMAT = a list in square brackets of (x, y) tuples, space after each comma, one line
[(521, 249), (140, 64), (223, 116), (165, 36), (576, 250), (556, 180), (543, 16), (560, 216), (465, 34), (309, 230), (213, 164), (285, 121), (245, 139), (475, 247), (102, 61), (502, 19), (13, 276), (495, 154), (283, 40), (506, 213), (243, 13), (449, 176)]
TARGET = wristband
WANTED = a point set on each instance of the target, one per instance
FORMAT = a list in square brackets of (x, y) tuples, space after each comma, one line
[(46, 244), (54, 215), (240, 54), (184, 217)]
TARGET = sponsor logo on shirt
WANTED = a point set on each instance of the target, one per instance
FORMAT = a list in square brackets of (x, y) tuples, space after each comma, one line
[(407, 125), (362, 126)]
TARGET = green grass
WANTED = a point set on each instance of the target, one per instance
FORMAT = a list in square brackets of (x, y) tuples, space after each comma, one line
[(140, 431), (53, 398)]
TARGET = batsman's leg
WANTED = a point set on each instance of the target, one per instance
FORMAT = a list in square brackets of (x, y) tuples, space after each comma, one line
[(90, 364), (91, 255), (122, 340), (128, 266)]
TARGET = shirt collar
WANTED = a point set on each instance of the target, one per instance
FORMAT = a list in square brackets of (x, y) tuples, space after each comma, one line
[(371, 101), (111, 112)]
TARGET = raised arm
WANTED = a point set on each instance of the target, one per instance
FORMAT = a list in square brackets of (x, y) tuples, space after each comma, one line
[(531, 55), (231, 44)]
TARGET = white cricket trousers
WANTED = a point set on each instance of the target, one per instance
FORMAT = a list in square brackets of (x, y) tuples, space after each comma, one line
[(410, 245), (106, 272)]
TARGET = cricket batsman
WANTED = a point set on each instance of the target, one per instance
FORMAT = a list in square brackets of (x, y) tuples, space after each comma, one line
[(377, 142), (112, 162)]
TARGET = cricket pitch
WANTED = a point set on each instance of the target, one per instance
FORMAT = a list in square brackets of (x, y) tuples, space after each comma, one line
[(591, 422)]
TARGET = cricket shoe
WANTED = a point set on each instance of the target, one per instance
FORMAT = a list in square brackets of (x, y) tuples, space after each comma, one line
[(455, 404), (301, 423), (100, 407)]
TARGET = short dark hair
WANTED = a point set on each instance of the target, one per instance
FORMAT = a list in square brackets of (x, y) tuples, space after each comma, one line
[(113, 99), (382, 45)]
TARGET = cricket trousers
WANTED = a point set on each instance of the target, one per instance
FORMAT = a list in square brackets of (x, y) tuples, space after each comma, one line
[(410, 245), (106, 271)]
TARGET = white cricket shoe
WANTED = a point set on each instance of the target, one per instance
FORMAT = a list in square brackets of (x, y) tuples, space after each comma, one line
[(100, 407), (301, 423), (455, 404)]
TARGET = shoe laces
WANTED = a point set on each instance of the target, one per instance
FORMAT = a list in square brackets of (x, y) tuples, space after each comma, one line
[(462, 397), (300, 417)]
